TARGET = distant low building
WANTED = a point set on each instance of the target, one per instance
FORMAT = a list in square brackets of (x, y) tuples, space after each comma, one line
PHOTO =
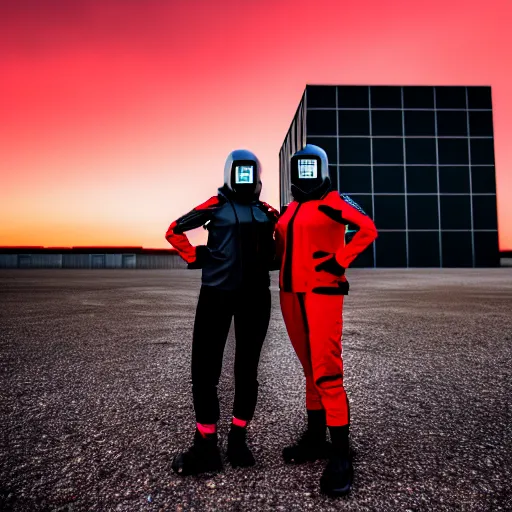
[(89, 257)]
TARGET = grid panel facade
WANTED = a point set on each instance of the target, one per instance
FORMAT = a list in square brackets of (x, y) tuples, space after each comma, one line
[(419, 160)]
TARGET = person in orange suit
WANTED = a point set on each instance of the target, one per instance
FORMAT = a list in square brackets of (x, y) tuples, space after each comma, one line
[(310, 239)]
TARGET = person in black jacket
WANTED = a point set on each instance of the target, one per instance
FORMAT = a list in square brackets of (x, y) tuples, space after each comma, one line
[(235, 267)]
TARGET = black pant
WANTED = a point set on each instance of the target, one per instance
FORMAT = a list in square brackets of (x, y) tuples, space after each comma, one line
[(215, 309)]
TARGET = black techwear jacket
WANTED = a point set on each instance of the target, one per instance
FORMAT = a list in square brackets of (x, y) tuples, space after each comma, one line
[(240, 250)]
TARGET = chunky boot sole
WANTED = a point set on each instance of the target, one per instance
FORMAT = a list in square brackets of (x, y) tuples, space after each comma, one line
[(185, 466), (241, 462), (337, 484), (334, 491), (238, 453)]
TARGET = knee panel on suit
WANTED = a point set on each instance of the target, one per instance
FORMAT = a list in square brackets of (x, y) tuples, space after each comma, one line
[(330, 381)]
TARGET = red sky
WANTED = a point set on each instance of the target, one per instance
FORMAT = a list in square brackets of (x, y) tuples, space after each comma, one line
[(116, 116)]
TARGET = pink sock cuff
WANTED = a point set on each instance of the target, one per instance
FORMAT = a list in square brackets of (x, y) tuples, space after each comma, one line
[(239, 423), (206, 428)]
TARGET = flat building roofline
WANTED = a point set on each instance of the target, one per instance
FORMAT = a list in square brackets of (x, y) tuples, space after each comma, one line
[(6, 249), (377, 84)]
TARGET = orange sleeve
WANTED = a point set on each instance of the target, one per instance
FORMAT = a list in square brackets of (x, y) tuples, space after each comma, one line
[(196, 218)]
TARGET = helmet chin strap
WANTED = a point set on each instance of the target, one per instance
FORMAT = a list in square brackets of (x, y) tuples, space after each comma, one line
[(316, 193), (245, 196)]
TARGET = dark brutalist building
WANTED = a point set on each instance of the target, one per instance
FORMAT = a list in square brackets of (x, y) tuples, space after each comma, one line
[(420, 162)]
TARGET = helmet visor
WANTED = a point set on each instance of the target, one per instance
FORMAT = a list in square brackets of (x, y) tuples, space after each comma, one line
[(305, 172), (244, 174), (244, 178), (307, 169)]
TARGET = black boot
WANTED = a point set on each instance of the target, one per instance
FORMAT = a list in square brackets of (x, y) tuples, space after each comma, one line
[(312, 444), (338, 475), (239, 454), (201, 457)]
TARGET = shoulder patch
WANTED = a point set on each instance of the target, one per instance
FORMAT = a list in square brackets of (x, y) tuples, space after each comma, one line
[(352, 203), (211, 203)]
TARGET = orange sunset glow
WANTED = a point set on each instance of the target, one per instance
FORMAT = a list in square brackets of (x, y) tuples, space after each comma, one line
[(117, 115)]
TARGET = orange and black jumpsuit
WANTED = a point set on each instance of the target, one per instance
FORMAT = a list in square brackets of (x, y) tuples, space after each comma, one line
[(308, 235)]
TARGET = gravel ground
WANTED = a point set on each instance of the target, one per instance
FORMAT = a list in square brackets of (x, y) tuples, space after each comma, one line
[(95, 395)]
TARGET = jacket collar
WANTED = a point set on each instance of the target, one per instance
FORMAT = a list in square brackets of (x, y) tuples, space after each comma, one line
[(228, 194)]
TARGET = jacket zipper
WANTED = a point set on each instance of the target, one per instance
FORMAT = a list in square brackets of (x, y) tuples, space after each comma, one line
[(239, 236), (287, 271)]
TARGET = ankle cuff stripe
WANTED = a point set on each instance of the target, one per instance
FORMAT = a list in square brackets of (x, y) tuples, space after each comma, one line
[(207, 428), (239, 423)]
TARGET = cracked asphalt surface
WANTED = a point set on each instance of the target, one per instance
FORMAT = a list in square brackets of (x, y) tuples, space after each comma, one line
[(95, 395)]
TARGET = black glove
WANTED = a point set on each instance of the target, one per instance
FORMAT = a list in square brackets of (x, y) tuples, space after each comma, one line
[(202, 256), (332, 266)]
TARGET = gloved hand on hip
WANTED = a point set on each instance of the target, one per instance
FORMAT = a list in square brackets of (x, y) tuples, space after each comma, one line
[(202, 256), (332, 266)]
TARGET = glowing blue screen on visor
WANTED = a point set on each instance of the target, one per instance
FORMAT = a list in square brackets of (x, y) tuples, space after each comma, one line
[(244, 174), (308, 169)]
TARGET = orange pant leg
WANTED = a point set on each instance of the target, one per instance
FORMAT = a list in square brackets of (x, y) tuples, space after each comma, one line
[(295, 321), (325, 322)]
